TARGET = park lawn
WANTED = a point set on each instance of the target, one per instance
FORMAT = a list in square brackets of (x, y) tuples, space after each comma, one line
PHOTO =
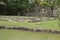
[(25, 35), (42, 25)]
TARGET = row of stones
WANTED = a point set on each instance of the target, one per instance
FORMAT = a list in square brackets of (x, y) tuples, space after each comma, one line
[(31, 29), (28, 19)]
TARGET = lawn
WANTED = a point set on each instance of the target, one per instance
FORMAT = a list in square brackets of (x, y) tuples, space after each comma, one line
[(25, 35), (42, 25), (6, 34)]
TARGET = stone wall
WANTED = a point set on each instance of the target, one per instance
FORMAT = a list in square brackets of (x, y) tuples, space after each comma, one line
[(31, 29)]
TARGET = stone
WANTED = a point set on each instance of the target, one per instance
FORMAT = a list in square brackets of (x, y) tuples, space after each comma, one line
[(2, 27), (9, 20)]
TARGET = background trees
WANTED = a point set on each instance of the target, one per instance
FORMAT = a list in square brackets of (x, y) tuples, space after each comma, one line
[(50, 4), (32, 7), (15, 6)]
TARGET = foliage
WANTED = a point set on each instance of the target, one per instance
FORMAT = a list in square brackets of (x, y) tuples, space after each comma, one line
[(22, 6)]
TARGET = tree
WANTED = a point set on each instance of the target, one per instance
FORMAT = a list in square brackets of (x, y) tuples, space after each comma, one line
[(19, 6), (52, 4)]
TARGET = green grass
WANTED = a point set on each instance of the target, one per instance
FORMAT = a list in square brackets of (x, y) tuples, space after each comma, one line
[(43, 25), (25, 35), (6, 34)]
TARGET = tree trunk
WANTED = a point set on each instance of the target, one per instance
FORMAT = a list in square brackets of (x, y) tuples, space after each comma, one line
[(51, 14)]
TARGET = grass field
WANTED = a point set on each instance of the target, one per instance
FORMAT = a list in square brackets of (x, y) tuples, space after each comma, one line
[(43, 25), (25, 35), (6, 34)]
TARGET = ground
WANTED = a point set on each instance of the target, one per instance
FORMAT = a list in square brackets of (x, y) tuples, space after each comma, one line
[(43, 25), (6, 34), (25, 35)]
